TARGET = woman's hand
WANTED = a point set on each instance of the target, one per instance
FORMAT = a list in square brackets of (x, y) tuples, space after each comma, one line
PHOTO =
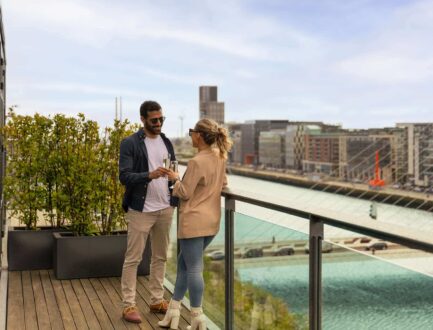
[(171, 175)]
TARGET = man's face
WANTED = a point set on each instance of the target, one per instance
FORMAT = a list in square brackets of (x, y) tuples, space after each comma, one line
[(153, 122)]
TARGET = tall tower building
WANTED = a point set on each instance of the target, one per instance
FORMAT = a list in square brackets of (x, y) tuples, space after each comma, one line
[(209, 105)]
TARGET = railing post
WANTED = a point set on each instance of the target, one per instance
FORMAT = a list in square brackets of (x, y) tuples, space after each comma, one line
[(229, 206), (316, 237), (177, 228)]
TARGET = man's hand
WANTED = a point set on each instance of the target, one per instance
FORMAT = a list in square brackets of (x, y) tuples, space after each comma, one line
[(156, 174)]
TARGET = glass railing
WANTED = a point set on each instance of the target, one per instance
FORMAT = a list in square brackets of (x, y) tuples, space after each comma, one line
[(266, 255), (172, 252), (263, 253), (262, 249), (366, 292), (273, 274), (214, 296)]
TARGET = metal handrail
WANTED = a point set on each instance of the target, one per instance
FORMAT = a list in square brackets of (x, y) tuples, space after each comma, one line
[(317, 219), (355, 223)]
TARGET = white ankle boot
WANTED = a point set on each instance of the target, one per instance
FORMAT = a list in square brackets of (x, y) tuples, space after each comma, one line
[(171, 318), (198, 320)]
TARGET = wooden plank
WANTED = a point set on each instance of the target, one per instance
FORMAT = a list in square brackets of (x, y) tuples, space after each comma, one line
[(145, 292), (184, 312), (86, 307), (50, 298), (40, 302), (116, 299), (113, 313), (62, 303), (30, 316), (4, 282), (15, 319), (102, 316), (74, 305), (142, 306)]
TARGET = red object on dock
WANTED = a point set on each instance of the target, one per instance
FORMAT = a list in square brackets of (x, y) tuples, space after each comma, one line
[(249, 159), (377, 181)]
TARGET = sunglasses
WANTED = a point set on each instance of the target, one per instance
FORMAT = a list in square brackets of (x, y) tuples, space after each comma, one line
[(155, 120), (191, 130)]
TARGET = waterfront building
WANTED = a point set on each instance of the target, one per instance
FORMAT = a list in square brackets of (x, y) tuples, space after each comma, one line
[(247, 143), (246, 138), (209, 107), (357, 150), (321, 152), (419, 153), (272, 148), (235, 131), (293, 151), (251, 134), (295, 142), (399, 147)]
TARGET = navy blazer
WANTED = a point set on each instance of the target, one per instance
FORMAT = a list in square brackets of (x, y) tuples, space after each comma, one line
[(134, 170)]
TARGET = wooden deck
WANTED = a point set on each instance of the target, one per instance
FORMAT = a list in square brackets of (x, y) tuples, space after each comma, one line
[(36, 300)]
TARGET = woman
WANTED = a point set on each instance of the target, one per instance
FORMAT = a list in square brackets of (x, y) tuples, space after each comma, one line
[(199, 216)]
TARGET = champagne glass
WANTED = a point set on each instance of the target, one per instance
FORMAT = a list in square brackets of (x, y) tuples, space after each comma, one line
[(166, 161), (174, 165)]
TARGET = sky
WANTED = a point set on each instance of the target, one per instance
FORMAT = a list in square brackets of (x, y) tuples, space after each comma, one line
[(359, 63)]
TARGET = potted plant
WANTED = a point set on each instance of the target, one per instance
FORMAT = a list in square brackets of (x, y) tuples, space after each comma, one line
[(28, 189), (95, 247), (63, 171)]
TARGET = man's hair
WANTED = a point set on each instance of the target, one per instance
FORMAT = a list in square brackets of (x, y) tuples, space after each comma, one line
[(147, 106)]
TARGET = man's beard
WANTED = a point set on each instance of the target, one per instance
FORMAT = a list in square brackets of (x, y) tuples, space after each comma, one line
[(153, 129)]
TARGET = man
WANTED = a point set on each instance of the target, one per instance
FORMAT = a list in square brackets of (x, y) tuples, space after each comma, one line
[(149, 207)]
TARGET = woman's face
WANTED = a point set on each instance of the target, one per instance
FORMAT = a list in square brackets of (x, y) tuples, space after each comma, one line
[(194, 138)]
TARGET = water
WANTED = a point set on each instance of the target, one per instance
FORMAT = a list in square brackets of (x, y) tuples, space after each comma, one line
[(323, 202), (357, 294)]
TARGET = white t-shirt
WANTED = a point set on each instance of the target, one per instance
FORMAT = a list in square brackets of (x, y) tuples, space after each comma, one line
[(158, 195)]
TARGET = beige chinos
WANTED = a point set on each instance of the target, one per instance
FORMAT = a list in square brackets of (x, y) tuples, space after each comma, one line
[(141, 225)]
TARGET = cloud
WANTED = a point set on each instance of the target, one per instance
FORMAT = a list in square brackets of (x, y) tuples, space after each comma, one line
[(399, 52), (70, 18), (95, 24), (185, 79), (281, 59), (388, 68), (75, 88)]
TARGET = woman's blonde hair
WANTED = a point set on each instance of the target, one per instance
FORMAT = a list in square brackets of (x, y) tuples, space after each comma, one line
[(213, 134)]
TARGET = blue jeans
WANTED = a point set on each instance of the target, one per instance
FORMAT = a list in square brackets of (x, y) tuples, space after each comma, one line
[(190, 269)]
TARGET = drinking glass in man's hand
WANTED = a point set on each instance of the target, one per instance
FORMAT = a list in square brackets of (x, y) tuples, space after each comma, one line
[(166, 161)]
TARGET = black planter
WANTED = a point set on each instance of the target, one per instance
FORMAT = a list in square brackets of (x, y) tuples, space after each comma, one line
[(93, 256), (30, 249)]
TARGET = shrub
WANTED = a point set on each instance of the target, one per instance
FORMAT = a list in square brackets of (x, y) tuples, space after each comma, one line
[(64, 170)]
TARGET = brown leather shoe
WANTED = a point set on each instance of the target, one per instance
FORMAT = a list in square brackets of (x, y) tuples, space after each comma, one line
[(131, 314), (159, 307)]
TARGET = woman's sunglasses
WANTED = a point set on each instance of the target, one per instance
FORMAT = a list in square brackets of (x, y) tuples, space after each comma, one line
[(155, 120), (191, 130)]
